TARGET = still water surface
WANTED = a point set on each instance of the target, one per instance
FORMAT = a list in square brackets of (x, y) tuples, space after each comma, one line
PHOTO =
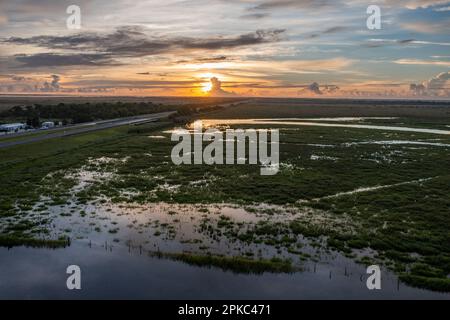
[(298, 122), (27, 273)]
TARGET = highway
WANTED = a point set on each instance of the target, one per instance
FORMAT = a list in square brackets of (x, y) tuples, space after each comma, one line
[(79, 129)]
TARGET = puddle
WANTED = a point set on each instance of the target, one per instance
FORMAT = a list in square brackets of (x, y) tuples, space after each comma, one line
[(321, 157), (368, 189), (168, 227)]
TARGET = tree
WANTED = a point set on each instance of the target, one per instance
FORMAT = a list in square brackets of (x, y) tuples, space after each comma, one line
[(34, 122)]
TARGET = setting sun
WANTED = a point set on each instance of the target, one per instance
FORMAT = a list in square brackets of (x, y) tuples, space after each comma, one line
[(207, 86)]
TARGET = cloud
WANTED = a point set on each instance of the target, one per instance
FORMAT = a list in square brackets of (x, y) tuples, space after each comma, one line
[(3, 19), (316, 89), (222, 39), (55, 81), (134, 42), (20, 83), (433, 27), (255, 16), (415, 4), (377, 42), (436, 86), (135, 84), (331, 30), (61, 60), (216, 89), (158, 74), (52, 86), (94, 85), (17, 78), (417, 89), (203, 60), (297, 66), (443, 9), (422, 62), (438, 82), (302, 4)]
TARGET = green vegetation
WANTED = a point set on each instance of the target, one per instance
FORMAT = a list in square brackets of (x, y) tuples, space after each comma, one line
[(79, 113), (406, 222), (420, 112), (234, 264), (14, 241), (435, 284)]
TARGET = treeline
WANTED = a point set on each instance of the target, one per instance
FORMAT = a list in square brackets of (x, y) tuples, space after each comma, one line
[(86, 112), (78, 113)]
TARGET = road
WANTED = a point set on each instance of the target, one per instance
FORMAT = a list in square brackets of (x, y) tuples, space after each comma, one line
[(84, 128)]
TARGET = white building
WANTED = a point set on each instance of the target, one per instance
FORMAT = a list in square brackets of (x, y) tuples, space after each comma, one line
[(48, 125), (11, 127)]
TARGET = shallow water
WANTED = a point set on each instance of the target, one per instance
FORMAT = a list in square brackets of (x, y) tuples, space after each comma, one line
[(401, 142), (339, 119), (124, 274), (292, 122)]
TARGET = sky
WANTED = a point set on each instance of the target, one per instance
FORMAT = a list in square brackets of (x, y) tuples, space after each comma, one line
[(267, 48)]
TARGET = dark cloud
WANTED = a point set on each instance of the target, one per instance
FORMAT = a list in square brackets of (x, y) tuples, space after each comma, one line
[(18, 78), (127, 42), (314, 88), (204, 60), (328, 31), (61, 60), (376, 43), (93, 90), (163, 74), (334, 29), (255, 16), (254, 38), (317, 89), (29, 84), (302, 4), (55, 81), (417, 89), (405, 41), (52, 86)]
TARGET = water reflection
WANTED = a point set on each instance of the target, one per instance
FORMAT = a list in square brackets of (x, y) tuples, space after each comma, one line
[(125, 273), (293, 122)]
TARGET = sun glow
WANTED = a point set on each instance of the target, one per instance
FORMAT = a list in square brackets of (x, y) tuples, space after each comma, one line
[(207, 86)]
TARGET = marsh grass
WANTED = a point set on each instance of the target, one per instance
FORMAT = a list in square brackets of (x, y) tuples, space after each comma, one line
[(234, 264), (406, 225), (16, 241)]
